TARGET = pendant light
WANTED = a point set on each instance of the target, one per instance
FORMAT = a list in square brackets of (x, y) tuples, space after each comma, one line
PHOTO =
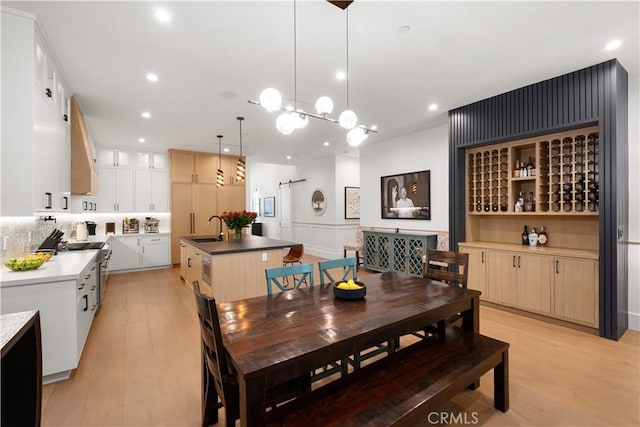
[(241, 166), (348, 118), (220, 174)]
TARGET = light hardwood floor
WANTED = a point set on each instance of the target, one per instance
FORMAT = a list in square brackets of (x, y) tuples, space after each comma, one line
[(140, 367)]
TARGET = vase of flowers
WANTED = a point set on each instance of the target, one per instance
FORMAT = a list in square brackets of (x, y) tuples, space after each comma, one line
[(237, 220)]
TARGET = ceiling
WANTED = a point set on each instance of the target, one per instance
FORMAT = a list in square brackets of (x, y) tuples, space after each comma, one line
[(214, 56)]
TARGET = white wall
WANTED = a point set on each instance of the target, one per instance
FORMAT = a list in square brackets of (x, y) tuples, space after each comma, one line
[(634, 203), (424, 150)]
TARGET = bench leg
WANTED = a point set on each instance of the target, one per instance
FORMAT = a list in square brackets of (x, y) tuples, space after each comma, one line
[(501, 384)]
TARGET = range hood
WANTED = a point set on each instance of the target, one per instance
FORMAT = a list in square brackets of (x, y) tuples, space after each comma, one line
[(84, 175)]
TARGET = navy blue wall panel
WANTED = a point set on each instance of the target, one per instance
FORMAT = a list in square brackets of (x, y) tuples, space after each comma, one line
[(594, 95)]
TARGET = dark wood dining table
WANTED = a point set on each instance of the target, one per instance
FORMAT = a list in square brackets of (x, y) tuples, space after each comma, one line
[(272, 339)]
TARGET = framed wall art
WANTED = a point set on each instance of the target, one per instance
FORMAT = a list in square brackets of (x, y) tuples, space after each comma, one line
[(318, 201), (406, 196), (269, 206), (351, 202)]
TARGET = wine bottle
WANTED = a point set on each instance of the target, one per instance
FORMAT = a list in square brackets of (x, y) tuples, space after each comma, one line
[(542, 236), (525, 236)]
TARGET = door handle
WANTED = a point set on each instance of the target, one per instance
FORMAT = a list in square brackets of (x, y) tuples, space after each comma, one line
[(48, 200), (518, 261), (85, 205), (514, 261), (557, 267), (86, 302), (189, 262), (483, 257), (66, 202)]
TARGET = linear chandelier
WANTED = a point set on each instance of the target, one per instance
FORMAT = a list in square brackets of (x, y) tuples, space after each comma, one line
[(293, 118)]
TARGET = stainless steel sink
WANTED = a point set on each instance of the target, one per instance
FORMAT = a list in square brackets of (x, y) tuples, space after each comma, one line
[(207, 239)]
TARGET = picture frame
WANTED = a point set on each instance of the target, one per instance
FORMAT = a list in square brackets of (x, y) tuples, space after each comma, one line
[(406, 196), (318, 201), (351, 202), (269, 206)]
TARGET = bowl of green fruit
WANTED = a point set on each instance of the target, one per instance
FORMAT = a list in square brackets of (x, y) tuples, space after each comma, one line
[(25, 263)]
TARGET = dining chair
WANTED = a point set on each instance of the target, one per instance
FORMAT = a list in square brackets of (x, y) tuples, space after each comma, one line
[(276, 276), (349, 268), (356, 247), (219, 385), (294, 256), (451, 268)]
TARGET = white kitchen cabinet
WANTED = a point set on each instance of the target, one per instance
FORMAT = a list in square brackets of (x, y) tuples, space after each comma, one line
[(151, 161), (125, 252), (140, 251), (155, 251), (84, 204), (151, 193), (35, 149), (115, 158), (116, 190)]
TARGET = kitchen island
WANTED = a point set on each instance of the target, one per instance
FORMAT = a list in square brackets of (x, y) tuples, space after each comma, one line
[(230, 270)]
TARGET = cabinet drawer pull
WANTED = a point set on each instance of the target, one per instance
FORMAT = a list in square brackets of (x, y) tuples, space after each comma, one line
[(86, 302), (189, 262)]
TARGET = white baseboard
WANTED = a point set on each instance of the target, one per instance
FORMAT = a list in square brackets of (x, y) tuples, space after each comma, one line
[(634, 321)]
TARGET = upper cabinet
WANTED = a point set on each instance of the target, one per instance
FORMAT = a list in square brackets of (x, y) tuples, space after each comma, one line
[(36, 160)]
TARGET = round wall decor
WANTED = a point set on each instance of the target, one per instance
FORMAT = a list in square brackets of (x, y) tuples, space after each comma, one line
[(318, 201)]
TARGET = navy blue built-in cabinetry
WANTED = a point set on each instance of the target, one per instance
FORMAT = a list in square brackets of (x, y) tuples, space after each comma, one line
[(597, 95)]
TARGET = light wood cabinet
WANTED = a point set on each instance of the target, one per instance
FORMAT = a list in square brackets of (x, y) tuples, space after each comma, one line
[(195, 196), (194, 265), (576, 290), (534, 283), (504, 278), (477, 277)]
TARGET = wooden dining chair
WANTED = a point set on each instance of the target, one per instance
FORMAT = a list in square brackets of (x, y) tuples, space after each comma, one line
[(451, 268), (276, 276), (219, 385), (347, 266), (350, 271)]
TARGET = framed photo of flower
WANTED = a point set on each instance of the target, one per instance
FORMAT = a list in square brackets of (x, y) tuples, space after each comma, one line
[(270, 206), (351, 202)]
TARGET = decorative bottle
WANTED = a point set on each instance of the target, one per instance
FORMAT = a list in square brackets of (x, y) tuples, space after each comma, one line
[(542, 236), (533, 237), (525, 236)]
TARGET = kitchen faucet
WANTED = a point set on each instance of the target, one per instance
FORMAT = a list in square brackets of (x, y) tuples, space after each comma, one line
[(220, 221)]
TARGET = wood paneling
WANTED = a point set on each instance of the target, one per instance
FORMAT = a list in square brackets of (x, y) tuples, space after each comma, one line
[(594, 95)]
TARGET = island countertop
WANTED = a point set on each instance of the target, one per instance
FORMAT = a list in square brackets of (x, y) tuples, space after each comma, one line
[(247, 244)]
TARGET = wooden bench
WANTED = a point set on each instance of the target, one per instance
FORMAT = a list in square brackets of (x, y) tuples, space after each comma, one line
[(403, 388)]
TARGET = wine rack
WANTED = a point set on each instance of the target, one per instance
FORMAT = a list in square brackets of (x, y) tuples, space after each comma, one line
[(488, 180), (571, 184), (555, 176)]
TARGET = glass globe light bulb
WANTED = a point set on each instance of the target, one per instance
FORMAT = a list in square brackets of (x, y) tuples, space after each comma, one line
[(301, 120), (285, 123), (348, 119), (356, 136), (270, 99), (324, 105)]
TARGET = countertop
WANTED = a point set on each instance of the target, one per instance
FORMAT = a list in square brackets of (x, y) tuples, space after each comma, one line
[(64, 266), (247, 244), (12, 323), (539, 250)]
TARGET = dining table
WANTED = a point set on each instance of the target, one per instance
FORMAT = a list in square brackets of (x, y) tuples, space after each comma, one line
[(274, 338)]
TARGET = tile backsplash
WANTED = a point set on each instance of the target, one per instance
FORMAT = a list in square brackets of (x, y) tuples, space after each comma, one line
[(23, 234)]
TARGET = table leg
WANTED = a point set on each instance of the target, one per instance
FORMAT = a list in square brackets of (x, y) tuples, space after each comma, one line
[(252, 401), (501, 384), (471, 323)]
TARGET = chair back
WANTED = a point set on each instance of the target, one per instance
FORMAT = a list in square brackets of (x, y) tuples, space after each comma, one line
[(347, 264), (438, 266), (294, 255), (275, 275), (213, 349)]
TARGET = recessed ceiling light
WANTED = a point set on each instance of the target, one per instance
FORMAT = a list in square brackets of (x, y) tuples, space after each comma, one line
[(404, 29), (162, 15), (288, 157), (341, 75), (226, 150), (142, 140), (146, 114), (613, 44), (152, 77), (326, 143), (374, 127), (433, 107)]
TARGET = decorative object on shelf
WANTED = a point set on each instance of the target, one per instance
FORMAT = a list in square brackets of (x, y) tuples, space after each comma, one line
[(406, 196), (220, 174), (270, 206), (237, 220), (542, 236), (318, 201), (241, 166), (293, 118), (351, 202)]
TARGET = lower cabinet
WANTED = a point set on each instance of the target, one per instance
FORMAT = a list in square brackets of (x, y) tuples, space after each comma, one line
[(396, 251), (193, 263), (561, 287), (136, 251)]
